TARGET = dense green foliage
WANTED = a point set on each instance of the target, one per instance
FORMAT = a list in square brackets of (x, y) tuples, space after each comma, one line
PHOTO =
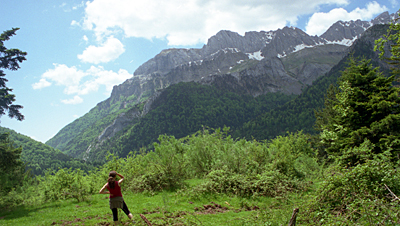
[(39, 158), (256, 168), (11, 167), (185, 108), (365, 107), (359, 131)]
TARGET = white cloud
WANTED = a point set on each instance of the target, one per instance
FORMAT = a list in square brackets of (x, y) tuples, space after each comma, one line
[(110, 50), (85, 38), (320, 22), (63, 75), (193, 21), (41, 84), (74, 23), (79, 82), (76, 100)]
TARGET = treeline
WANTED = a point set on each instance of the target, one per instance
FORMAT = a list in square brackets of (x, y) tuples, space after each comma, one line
[(39, 158)]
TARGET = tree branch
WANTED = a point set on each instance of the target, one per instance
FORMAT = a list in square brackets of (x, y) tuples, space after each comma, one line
[(394, 195)]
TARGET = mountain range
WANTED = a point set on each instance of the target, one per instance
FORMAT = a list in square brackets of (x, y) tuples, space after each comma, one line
[(233, 81)]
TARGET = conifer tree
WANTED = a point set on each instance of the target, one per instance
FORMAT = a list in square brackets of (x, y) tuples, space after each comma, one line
[(11, 167), (9, 59), (365, 107)]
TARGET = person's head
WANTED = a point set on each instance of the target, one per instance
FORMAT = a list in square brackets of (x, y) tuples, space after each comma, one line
[(111, 179), (112, 174)]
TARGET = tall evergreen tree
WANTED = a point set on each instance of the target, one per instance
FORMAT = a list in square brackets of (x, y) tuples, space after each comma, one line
[(365, 107), (11, 167)]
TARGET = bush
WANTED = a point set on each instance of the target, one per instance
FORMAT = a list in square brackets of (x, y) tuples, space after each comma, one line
[(269, 183), (357, 194), (65, 184)]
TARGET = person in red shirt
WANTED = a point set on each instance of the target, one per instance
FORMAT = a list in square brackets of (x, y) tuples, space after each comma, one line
[(116, 199)]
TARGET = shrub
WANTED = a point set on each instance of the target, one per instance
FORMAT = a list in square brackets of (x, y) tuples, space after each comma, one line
[(357, 194), (65, 184), (269, 183)]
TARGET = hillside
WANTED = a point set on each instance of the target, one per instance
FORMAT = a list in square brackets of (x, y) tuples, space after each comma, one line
[(40, 157), (183, 109)]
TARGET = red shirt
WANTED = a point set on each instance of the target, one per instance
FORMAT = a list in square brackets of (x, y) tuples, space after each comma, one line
[(116, 192)]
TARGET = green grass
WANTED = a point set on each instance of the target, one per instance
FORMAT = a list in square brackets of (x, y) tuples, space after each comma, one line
[(163, 208)]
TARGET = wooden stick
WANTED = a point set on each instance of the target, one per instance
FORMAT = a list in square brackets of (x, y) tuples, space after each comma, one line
[(394, 195), (145, 220), (292, 221)]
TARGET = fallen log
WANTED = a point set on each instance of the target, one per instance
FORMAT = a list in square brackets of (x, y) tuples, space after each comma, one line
[(292, 221), (145, 220)]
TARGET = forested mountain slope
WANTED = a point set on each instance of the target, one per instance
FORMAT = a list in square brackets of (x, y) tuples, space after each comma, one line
[(298, 114), (180, 110), (40, 157)]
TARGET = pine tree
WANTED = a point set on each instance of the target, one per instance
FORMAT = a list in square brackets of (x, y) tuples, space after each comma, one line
[(11, 167), (365, 107), (9, 59)]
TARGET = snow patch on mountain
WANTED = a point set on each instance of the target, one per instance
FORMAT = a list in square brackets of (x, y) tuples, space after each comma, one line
[(345, 41), (255, 56)]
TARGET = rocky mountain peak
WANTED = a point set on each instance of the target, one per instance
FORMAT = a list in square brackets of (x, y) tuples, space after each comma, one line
[(384, 18), (346, 32), (250, 42)]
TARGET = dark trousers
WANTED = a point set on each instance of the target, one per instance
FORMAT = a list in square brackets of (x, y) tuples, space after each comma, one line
[(115, 211)]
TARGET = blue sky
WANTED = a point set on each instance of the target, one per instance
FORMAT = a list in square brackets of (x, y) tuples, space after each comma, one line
[(78, 50)]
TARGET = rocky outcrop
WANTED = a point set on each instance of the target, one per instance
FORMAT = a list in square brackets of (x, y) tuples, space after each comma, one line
[(167, 60), (266, 76)]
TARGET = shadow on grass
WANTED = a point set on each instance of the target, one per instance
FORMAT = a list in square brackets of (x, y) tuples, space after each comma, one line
[(22, 211)]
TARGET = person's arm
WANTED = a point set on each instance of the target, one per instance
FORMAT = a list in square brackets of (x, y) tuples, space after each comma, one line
[(122, 178), (102, 190)]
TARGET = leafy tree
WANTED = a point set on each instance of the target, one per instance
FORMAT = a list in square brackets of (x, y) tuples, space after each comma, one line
[(365, 107), (391, 39), (9, 59)]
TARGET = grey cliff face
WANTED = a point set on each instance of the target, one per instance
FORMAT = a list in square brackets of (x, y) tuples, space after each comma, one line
[(250, 42), (287, 40), (167, 60)]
